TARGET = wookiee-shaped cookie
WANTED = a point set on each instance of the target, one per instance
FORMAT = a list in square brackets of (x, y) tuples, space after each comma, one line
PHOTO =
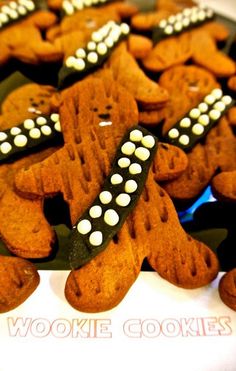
[(21, 27), (22, 226), (188, 86), (18, 280), (95, 115)]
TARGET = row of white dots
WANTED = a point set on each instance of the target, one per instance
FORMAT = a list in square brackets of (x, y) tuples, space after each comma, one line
[(71, 6), (199, 113), (15, 10), (98, 46), (123, 199)]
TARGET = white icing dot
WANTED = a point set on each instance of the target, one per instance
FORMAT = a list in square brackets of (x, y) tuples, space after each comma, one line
[(217, 93), (201, 15), (46, 130), (136, 135), (204, 120), (209, 13), (115, 34), (80, 53), (30, 5), (5, 147), (123, 199), (95, 211), (96, 238), (3, 18), (142, 153), (194, 113), (184, 123), (184, 139), (197, 129), (185, 22), (131, 186), (15, 130), (193, 18), (91, 45), (214, 114), (124, 162), (79, 64), (21, 10), (128, 148), (78, 4), (88, 2), (13, 14), (162, 23), (68, 7), (41, 120), (172, 19), (92, 57), (148, 141), (124, 28), (111, 217), (220, 106), (3, 136), (116, 179), (35, 133), (203, 107), (20, 140), (178, 26), (109, 42), (84, 226), (96, 36), (13, 4), (209, 99), (70, 62), (102, 48), (55, 117), (57, 126), (168, 30), (187, 12), (29, 124), (173, 133), (135, 168), (226, 99), (179, 16), (105, 197)]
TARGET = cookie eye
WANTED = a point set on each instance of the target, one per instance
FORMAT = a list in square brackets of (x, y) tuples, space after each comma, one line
[(90, 23), (95, 109), (108, 107), (42, 101)]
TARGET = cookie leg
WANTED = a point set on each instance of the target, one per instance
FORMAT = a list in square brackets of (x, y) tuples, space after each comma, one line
[(24, 228), (18, 280)]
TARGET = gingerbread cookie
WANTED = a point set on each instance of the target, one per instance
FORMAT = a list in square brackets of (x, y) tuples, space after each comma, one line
[(20, 33), (18, 280), (227, 289), (21, 222), (89, 151)]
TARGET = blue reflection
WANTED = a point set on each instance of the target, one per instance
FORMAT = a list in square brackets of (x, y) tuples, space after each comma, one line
[(187, 215)]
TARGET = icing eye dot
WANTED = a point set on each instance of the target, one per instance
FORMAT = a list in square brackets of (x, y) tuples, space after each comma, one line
[(111, 217), (3, 136), (197, 129), (41, 120), (214, 114), (220, 106), (15, 131), (135, 168), (173, 133), (102, 48), (5, 147), (162, 23), (124, 28), (91, 45), (80, 53), (92, 57), (130, 186), (105, 197), (84, 226), (35, 133), (136, 135), (96, 238), (184, 139), (116, 179), (204, 120), (148, 141), (20, 140), (29, 124), (46, 130), (79, 64), (168, 30), (194, 113), (123, 199), (203, 107), (95, 211), (185, 123), (124, 162), (209, 99), (217, 93), (142, 153), (226, 99), (128, 148), (57, 126), (54, 117)]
